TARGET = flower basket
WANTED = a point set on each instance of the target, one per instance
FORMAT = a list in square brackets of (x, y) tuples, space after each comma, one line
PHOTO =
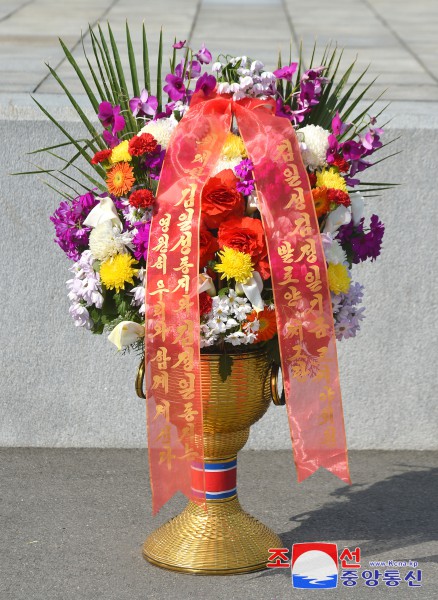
[(217, 238)]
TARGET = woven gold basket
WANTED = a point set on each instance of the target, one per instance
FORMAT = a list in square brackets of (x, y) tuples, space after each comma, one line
[(224, 539)]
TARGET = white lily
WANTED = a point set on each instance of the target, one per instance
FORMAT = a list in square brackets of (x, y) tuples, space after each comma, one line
[(340, 216), (357, 207), (206, 284), (102, 212), (125, 333), (252, 290)]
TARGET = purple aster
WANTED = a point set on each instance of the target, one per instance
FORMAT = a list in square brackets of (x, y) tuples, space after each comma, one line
[(286, 72), (175, 87), (179, 45), (204, 55), (141, 240), (110, 116), (71, 235), (144, 105), (206, 83)]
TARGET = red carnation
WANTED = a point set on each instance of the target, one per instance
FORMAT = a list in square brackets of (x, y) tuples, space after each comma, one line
[(142, 144), (312, 179), (220, 199), (341, 163), (141, 198), (205, 303), (208, 246), (101, 156), (338, 196)]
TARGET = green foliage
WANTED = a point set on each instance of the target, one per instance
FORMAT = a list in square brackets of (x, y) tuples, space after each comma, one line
[(108, 84), (337, 97)]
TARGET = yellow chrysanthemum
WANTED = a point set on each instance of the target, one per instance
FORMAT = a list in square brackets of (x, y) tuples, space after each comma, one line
[(117, 271), (120, 153), (235, 265), (330, 178), (338, 278), (233, 147)]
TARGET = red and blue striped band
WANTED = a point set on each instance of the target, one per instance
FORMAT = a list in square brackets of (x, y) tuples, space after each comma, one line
[(220, 479)]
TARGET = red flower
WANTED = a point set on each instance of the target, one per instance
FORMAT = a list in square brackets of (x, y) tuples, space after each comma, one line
[(142, 144), (208, 246), (205, 303), (244, 234), (220, 199), (341, 163), (101, 156), (312, 179), (141, 198), (338, 196)]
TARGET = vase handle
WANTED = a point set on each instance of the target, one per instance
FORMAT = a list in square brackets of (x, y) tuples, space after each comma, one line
[(276, 398), (139, 380)]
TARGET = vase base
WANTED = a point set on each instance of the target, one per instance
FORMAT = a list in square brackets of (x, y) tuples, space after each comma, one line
[(224, 540)]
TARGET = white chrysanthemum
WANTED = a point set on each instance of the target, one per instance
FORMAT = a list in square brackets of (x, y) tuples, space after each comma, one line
[(161, 129), (106, 241), (334, 253), (314, 146)]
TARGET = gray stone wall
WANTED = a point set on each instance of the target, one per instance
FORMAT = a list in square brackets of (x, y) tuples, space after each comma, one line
[(61, 386)]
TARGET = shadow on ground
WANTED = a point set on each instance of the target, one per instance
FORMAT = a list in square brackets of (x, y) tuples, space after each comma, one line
[(394, 513)]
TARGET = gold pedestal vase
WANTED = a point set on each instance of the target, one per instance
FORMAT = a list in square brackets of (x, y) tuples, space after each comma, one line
[(223, 539)]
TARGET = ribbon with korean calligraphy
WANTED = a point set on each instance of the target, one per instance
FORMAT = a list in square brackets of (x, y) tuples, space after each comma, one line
[(299, 282)]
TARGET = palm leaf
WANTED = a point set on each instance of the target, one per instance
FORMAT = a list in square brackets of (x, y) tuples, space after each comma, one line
[(85, 85), (96, 47), (79, 110), (146, 70), (159, 66), (132, 63)]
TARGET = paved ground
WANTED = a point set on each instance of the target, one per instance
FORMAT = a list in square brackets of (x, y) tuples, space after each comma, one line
[(399, 39), (73, 522)]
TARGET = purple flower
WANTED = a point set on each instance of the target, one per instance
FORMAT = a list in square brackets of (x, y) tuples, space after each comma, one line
[(141, 240), (154, 162), (338, 126), (110, 139), (145, 105), (204, 55), (352, 150), (333, 149), (71, 235), (286, 72), (245, 187), (179, 45), (206, 83), (110, 117), (363, 245), (244, 168), (175, 87), (193, 70)]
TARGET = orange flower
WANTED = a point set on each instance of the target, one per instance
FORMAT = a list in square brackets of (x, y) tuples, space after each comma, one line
[(267, 324), (120, 179), (322, 203)]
